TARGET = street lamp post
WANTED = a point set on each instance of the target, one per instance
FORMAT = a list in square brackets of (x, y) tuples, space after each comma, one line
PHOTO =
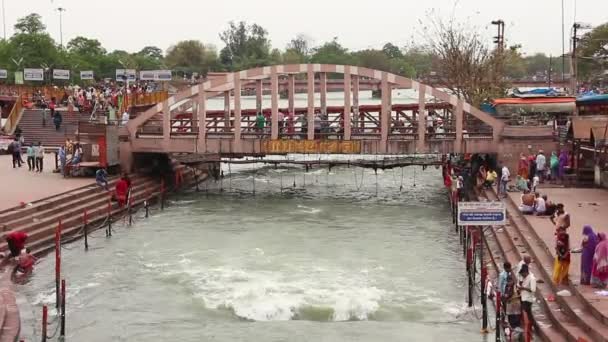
[(4, 19), (60, 10)]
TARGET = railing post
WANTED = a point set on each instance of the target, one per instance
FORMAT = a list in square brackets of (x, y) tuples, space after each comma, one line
[(57, 263), (45, 318), (86, 233), (62, 329), (109, 230), (484, 302), (147, 206), (162, 194), (498, 315)]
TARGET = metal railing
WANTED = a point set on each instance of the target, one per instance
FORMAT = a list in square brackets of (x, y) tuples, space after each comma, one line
[(13, 117)]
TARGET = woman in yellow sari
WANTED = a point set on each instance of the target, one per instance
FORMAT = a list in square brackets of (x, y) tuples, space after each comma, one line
[(562, 258)]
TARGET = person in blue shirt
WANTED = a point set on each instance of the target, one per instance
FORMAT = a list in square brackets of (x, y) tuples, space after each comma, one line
[(502, 278), (62, 159), (31, 157), (101, 178)]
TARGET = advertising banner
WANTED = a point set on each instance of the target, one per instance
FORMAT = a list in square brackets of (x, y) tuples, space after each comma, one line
[(61, 74), (155, 75), (131, 74), (33, 74), (86, 75), (3, 73)]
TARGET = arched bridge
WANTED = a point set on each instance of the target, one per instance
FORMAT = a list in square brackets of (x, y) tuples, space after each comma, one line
[(437, 122)]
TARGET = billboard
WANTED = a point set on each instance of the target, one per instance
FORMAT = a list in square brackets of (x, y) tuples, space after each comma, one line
[(86, 75), (155, 75), (33, 74), (130, 74), (61, 74), (163, 75), (148, 75), (3, 73)]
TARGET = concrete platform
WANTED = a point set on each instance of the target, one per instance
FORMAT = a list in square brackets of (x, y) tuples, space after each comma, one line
[(586, 206), (20, 185)]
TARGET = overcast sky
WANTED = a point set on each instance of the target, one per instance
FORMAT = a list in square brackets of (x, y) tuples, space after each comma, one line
[(132, 24)]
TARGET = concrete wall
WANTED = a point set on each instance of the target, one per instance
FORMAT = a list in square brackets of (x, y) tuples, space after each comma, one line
[(509, 151)]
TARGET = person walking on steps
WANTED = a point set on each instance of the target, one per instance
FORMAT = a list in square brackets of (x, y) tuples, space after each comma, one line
[(527, 290), (57, 120)]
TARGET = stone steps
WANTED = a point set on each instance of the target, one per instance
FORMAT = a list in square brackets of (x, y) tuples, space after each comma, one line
[(552, 325), (66, 206), (96, 206), (571, 309)]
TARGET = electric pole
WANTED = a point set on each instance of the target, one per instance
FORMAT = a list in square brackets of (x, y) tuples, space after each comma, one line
[(573, 58), (61, 10), (499, 39)]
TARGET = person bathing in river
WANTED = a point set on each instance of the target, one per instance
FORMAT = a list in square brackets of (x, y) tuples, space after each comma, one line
[(26, 262), (122, 190), (16, 242)]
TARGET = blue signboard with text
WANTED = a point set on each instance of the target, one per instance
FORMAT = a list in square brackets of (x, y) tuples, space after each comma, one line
[(481, 214)]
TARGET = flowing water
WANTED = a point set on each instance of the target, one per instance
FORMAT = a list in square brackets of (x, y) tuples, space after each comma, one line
[(345, 255)]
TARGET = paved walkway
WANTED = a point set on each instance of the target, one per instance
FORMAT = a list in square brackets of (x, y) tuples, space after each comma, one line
[(20, 185), (586, 206)]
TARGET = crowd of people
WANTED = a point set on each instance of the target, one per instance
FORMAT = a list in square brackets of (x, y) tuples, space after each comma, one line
[(518, 285)]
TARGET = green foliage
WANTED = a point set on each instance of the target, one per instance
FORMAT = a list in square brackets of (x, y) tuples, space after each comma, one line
[(593, 52), (331, 53), (30, 24), (192, 56), (247, 46)]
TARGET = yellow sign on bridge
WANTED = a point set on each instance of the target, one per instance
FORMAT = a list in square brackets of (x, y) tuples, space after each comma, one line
[(311, 146)]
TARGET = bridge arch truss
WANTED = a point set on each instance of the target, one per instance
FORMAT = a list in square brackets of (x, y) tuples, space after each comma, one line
[(184, 122)]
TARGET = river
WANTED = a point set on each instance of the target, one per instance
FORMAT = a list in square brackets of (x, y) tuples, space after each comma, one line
[(345, 255)]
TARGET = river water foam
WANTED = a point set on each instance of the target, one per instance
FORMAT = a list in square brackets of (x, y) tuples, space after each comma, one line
[(328, 260)]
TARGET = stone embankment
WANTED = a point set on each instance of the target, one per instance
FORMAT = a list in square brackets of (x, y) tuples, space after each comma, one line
[(40, 219)]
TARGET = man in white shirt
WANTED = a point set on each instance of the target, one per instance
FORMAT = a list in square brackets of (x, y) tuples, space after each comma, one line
[(527, 260), (527, 290), (541, 165), (39, 154), (540, 207), (125, 118), (504, 179)]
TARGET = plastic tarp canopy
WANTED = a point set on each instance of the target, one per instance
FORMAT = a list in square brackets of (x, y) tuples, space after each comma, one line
[(589, 98), (533, 108)]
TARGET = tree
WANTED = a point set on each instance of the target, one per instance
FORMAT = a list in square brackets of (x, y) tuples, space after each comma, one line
[(85, 47), (32, 45), (593, 52), (151, 52), (31, 24), (191, 56), (332, 53), (515, 65), (468, 67), (300, 45), (373, 59), (392, 51), (247, 46), (421, 59)]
